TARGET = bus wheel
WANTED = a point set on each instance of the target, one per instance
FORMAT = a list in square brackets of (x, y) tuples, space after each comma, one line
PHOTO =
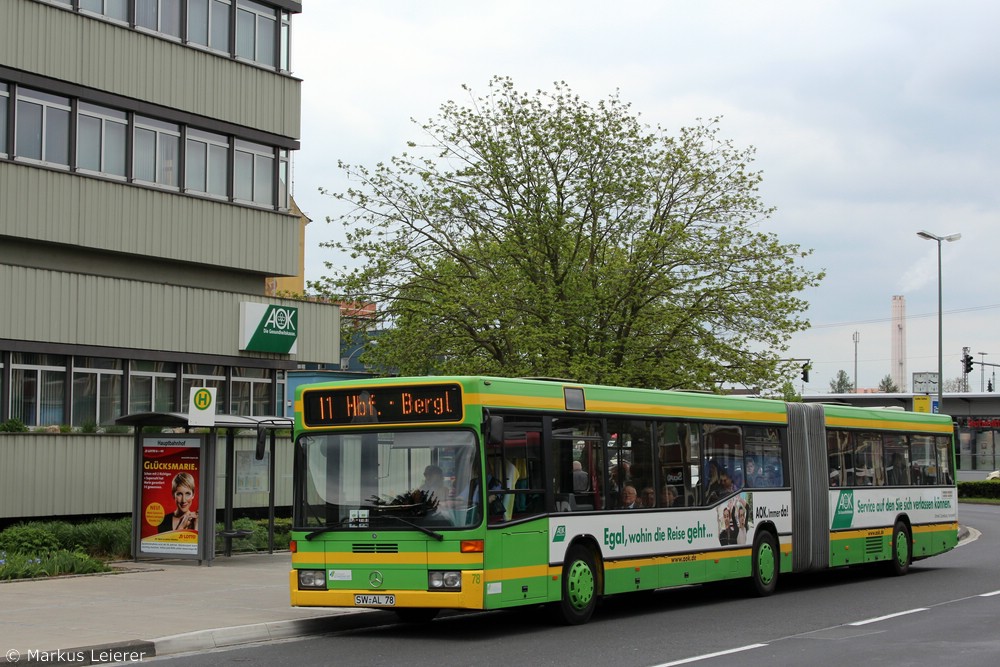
[(764, 568), (579, 586), (416, 615), (901, 552)]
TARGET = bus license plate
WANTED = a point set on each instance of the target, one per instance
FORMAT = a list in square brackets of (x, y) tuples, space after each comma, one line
[(375, 600)]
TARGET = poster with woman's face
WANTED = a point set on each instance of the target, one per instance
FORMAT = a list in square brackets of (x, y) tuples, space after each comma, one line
[(170, 494)]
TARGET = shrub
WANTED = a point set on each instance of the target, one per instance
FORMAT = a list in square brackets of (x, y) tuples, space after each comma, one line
[(13, 426), (103, 538), (59, 562), (61, 530), (28, 539), (982, 489)]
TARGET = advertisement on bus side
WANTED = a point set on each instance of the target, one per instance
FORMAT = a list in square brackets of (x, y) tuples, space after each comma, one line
[(627, 535), (875, 506)]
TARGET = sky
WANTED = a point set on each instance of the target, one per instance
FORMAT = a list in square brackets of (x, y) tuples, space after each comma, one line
[(871, 121)]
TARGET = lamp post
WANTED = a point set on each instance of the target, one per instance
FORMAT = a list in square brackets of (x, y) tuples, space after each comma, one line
[(935, 237)]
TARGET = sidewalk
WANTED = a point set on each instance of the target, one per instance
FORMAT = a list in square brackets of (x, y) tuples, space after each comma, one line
[(159, 607)]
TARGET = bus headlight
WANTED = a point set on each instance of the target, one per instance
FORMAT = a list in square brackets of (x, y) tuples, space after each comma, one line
[(314, 579), (450, 580)]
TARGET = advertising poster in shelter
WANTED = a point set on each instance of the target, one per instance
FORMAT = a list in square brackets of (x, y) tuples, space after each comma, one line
[(170, 494)]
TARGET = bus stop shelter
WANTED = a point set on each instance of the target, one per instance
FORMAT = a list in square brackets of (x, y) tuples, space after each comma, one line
[(185, 451)]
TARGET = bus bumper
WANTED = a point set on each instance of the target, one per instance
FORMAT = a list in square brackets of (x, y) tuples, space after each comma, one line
[(470, 597)]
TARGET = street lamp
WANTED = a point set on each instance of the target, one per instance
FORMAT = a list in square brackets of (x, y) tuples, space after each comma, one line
[(935, 237)]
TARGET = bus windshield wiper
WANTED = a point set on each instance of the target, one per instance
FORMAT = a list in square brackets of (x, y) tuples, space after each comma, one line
[(325, 529), (426, 531)]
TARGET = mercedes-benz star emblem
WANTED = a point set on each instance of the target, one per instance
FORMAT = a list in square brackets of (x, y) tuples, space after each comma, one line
[(375, 579)]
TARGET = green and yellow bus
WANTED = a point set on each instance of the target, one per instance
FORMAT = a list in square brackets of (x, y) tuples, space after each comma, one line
[(423, 494)]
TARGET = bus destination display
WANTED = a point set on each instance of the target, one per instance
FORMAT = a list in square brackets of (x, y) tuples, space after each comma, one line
[(382, 405)]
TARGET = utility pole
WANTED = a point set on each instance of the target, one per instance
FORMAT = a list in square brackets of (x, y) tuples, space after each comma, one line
[(982, 371), (857, 337)]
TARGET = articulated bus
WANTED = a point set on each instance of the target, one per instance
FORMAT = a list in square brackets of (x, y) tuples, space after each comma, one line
[(423, 494)]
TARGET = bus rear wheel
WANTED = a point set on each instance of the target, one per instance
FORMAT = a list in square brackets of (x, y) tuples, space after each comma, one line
[(579, 586), (764, 567), (902, 553)]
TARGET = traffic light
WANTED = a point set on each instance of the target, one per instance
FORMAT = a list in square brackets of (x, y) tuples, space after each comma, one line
[(805, 372), (967, 363)]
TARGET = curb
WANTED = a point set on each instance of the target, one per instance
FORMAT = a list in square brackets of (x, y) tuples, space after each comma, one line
[(200, 640), (204, 640)]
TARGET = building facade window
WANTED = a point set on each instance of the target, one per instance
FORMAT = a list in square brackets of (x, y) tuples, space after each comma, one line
[(263, 33), (156, 152), (152, 386), (284, 167), (42, 127), (162, 16), (251, 392), (279, 394), (285, 58), (38, 388), (256, 26), (113, 9), (216, 165), (4, 107), (97, 391), (208, 23), (253, 178), (206, 163), (101, 139)]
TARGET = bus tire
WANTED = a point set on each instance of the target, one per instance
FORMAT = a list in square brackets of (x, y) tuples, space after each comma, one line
[(416, 615), (902, 550), (765, 564), (579, 586)]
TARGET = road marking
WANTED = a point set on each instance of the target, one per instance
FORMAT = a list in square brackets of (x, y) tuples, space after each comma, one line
[(989, 595), (709, 655), (882, 618)]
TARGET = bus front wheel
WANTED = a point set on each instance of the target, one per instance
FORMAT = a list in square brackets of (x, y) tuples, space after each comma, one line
[(579, 586), (765, 564), (902, 554)]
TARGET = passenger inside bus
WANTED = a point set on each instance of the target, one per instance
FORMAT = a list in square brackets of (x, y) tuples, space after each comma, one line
[(752, 473), (434, 483), (581, 482), (630, 499)]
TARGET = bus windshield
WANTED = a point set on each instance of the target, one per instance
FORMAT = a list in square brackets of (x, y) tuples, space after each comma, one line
[(389, 479)]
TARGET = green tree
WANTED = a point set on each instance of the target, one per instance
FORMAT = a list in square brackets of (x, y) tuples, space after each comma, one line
[(540, 235), (887, 386), (841, 384)]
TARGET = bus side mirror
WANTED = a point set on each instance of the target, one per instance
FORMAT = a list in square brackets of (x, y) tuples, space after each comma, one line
[(494, 430), (261, 444)]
